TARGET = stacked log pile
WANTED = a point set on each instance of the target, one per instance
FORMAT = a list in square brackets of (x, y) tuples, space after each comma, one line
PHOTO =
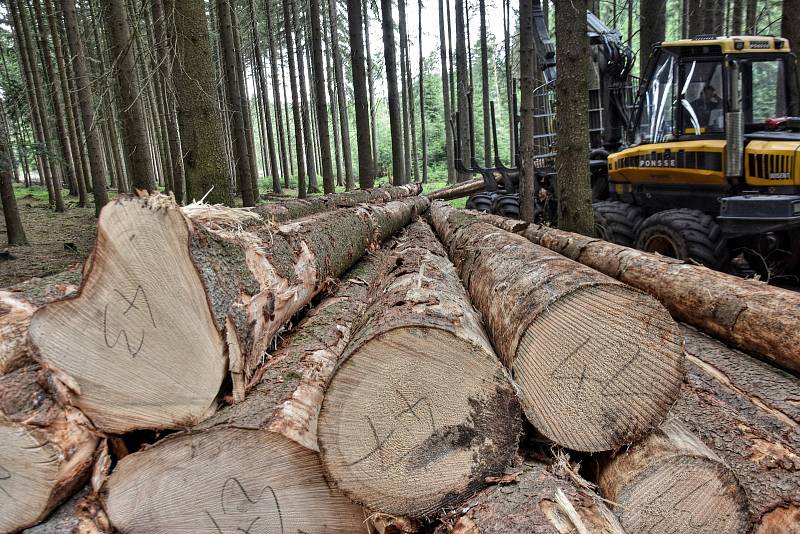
[(395, 402)]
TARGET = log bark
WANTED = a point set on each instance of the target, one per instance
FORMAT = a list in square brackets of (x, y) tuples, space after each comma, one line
[(748, 314), (258, 455), (420, 410), (459, 190), (147, 343), (747, 412), (81, 514), (538, 500), (46, 449), (597, 362), (672, 482), (295, 208)]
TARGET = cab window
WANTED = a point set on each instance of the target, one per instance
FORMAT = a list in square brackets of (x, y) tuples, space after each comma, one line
[(701, 98), (656, 120), (764, 90)]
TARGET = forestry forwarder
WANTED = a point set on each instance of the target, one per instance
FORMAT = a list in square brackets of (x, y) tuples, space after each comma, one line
[(712, 165)]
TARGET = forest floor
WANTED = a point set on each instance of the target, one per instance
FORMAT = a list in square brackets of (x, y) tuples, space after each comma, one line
[(60, 240)]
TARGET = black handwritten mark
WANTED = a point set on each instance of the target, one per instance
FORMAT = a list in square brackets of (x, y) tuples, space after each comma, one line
[(410, 408), (5, 474), (135, 348), (238, 500)]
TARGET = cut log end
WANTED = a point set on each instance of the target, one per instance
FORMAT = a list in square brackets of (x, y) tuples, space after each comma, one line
[(139, 341), (416, 419), (685, 494), (227, 480), (599, 368)]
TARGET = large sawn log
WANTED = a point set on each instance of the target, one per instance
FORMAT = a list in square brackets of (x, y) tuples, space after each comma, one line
[(748, 413), (254, 465), (535, 500), (294, 208), (598, 363), (459, 190), (671, 482), (420, 411), (173, 299), (748, 314)]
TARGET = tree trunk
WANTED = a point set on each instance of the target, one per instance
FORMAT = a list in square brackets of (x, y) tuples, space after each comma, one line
[(164, 50), (448, 113), (341, 95), (423, 129), (75, 150), (278, 417), (241, 148), (366, 165), (411, 114), (84, 91), (223, 260), (572, 62), (527, 76), (652, 21), (459, 190), (485, 97), (577, 382), (541, 499), (134, 137), (790, 24), (395, 118), (330, 78), (288, 6), (737, 17), (305, 108), (509, 82), (33, 73), (321, 103), (443, 444), (371, 75), (744, 313), (407, 152), (463, 91), (81, 514), (672, 482), (15, 233), (244, 104), (198, 116), (746, 411), (283, 143), (750, 17)]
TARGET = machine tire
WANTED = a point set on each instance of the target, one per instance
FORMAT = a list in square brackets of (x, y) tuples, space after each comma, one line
[(506, 205), (684, 234), (481, 202), (617, 221)]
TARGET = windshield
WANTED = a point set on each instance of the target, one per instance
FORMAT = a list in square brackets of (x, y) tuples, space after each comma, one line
[(655, 121)]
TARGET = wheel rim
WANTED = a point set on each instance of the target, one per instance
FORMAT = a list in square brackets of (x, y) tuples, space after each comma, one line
[(663, 245)]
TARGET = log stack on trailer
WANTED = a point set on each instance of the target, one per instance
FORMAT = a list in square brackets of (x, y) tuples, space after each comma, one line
[(340, 366)]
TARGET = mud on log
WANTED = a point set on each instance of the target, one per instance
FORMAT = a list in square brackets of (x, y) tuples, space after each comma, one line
[(463, 189), (748, 413), (748, 314), (598, 363), (539, 501), (295, 208), (46, 450), (420, 411), (147, 342), (673, 483), (253, 465)]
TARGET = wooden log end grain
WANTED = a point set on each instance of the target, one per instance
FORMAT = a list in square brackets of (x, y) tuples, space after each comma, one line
[(227, 480), (598, 363), (420, 412), (138, 342), (46, 450), (672, 483)]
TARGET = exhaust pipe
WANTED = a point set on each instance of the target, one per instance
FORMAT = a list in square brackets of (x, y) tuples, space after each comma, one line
[(734, 130)]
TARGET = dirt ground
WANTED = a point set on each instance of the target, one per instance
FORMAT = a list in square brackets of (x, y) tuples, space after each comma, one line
[(57, 240)]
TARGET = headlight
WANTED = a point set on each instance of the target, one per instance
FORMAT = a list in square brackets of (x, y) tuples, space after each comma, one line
[(796, 208)]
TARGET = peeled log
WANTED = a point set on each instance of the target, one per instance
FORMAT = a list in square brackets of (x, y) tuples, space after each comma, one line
[(538, 501), (420, 411), (46, 450), (254, 464), (672, 483), (295, 208), (748, 314), (17, 305), (598, 363), (463, 189), (747, 412), (147, 342)]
